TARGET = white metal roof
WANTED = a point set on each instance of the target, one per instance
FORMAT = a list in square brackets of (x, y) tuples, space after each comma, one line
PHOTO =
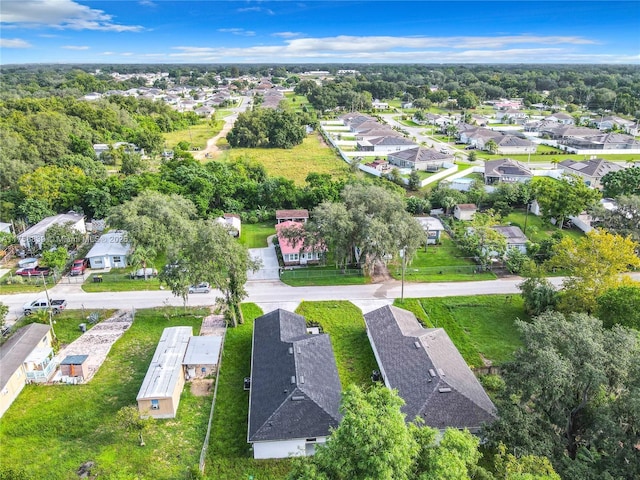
[(110, 243), (41, 227), (203, 351), (166, 366)]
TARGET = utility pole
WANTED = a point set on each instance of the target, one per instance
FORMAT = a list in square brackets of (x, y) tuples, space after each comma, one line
[(403, 254), (50, 310)]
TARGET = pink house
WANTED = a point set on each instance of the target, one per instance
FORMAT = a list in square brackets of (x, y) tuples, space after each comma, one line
[(294, 253)]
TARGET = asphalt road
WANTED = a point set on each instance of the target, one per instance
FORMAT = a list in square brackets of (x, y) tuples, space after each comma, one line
[(268, 294)]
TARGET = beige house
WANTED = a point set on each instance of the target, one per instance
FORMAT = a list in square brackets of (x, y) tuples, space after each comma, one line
[(27, 357), (159, 394)]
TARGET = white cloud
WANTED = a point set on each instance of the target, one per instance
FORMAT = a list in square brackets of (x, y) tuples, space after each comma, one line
[(147, 3), (62, 14), (238, 31), (286, 34), (75, 47), (268, 11), (14, 43)]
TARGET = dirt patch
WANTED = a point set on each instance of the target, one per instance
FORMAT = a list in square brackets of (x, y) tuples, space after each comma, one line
[(201, 387), (380, 273)]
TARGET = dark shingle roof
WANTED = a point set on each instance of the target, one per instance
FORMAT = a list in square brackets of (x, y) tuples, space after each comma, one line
[(419, 154), (391, 140), (295, 389), (594, 167), (428, 371), (505, 166), (16, 350)]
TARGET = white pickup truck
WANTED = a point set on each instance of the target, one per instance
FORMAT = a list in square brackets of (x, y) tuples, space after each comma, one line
[(41, 304)]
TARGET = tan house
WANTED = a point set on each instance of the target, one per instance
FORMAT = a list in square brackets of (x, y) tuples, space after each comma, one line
[(159, 394), (27, 357), (292, 216)]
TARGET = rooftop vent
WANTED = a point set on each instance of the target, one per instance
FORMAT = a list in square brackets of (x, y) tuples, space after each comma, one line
[(297, 398), (416, 344), (301, 378), (444, 389), (432, 372), (441, 372), (293, 379), (290, 350), (299, 350)]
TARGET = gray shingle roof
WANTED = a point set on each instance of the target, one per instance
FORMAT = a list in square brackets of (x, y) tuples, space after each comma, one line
[(594, 167), (295, 389), (428, 371), (505, 166), (391, 140), (16, 350), (419, 155)]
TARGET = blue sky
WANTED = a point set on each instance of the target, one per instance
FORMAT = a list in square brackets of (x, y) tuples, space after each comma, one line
[(184, 31)]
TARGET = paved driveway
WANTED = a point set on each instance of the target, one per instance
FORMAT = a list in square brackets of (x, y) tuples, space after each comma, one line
[(270, 269)]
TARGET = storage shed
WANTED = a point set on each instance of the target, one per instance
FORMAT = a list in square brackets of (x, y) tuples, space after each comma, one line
[(75, 366)]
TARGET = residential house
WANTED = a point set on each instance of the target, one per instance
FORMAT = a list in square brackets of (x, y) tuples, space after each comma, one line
[(292, 216), (604, 141), (505, 170), (159, 394), (479, 120), (563, 118), (419, 158), (591, 171), (26, 357), (294, 395), (294, 252), (112, 250), (612, 122), (464, 211), (379, 165), (512, 115), (6, 227), (390, 143), (232, 222), (515, 238), (379, 105), (513, 145), (406, 105), (32, 238), (433, 228), (428, 372)]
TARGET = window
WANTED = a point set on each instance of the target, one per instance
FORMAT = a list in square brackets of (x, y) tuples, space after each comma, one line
[(117, 259), (155, 404), (293, 256)]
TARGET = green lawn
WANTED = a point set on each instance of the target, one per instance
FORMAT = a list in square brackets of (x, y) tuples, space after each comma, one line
[(440, 263), (344, 323), (254, 235), (229, 456), (322, 276), (118, 280), (196, 135), (295, 163), (49, 431), (481, 327), (10, 283), (537, 229)]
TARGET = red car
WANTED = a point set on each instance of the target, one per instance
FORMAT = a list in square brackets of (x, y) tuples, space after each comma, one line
[(33, 271), (79, 266)]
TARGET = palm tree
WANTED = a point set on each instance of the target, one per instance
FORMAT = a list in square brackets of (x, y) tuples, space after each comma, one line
[(491, 146), (141, 256)]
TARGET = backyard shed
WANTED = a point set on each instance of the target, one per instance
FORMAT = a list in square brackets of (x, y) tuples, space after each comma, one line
[(202, 356), (159, 395), (75, 366)]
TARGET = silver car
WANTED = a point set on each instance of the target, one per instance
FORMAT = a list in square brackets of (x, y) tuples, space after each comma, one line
[(200, 288)]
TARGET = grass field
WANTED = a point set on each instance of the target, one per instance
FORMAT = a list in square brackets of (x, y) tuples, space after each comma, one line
[(254, 235), (295, 163), (118, 280), (344, 323), (322, 276), (440, 263), (538, 229), (196, 136), (481, 327), (51, 430)]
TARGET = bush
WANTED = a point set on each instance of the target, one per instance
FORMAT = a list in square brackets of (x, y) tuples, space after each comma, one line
[(493, 383), (252, 218)]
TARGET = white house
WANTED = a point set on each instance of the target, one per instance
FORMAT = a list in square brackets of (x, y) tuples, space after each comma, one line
[(232, 222), (433, 228), (294, 395), (33, 237), (515, 237), (464, 211), (110, 251)]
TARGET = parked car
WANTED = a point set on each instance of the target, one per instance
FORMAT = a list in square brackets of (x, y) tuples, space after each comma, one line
[(79, 266), (33, 271), (42, 304), (470, 147), (144, 272), (200, 288)]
